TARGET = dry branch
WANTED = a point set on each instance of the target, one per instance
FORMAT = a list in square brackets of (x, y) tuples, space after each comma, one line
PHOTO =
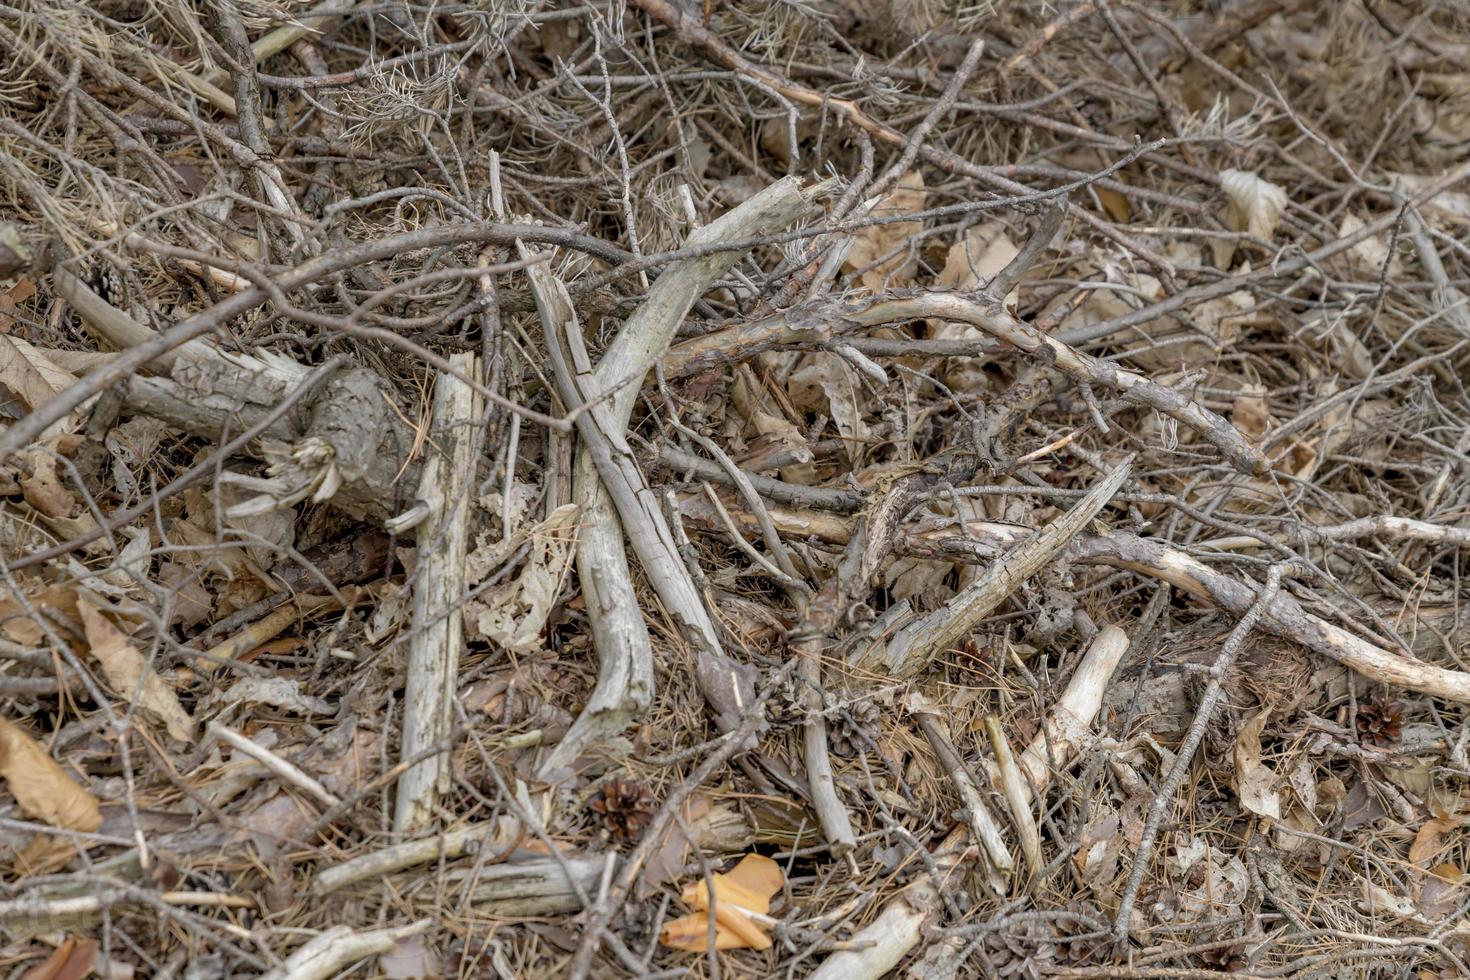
[(916, 644), (604, 447), (819, 323), (340, 946)]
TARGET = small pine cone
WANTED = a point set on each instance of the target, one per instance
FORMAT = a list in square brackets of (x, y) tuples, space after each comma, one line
[(1026, 950), (624, 807), (1380, 722), (855, 729)]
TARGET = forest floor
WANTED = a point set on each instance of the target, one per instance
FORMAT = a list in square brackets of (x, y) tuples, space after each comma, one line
[(770, 488)]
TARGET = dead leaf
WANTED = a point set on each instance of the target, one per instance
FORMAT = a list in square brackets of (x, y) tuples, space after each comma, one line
[(1249, 413), (1255, 782), (514, 614), (1098, 848), (1115, 203), (874, 242), (828, 382), (42, 486), (1253, 205), (971, 263), (748, 886), (1429, 841), (1334, 336), (129, 674), (1440, 892), (41, 787), (33, 379), (1378, 900), (72, 960), (711, 826), (13, 297)]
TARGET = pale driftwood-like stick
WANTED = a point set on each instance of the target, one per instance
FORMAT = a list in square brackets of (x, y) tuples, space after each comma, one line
[(887, 939), (726, 684), (977, 814), (1285, 617), (433, 653), (1012, 785), (339, 946), (287, 772), (385, 861), (918, 643), (1069, 722), (624, 652), (818, 323)]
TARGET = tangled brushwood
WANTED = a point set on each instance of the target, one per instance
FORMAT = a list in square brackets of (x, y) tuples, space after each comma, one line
[(804, 488)]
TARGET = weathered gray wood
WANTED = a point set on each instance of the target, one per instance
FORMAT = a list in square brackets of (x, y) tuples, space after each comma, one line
[(433, 653)]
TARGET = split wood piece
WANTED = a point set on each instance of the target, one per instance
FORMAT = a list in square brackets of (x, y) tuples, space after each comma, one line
[(543, 886), (625, 671), (901, 924), (59, 910), (915, 645), (1012, 785), (338, 947), (819, 323), (439, 583), (977, 814), (809, 640), (112, 326), (1069, 723)]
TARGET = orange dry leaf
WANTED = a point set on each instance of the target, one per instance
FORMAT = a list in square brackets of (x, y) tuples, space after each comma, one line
[(41, 787), (72, 960), (747, 887)]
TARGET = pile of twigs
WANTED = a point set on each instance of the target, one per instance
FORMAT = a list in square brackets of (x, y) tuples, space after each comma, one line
[(474, 473)]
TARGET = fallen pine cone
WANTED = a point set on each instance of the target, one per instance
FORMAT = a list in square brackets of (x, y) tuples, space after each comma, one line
[(624, 807), (1380, 722)]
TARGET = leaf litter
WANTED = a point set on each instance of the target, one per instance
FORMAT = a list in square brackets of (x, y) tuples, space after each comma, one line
[(859, 299)]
